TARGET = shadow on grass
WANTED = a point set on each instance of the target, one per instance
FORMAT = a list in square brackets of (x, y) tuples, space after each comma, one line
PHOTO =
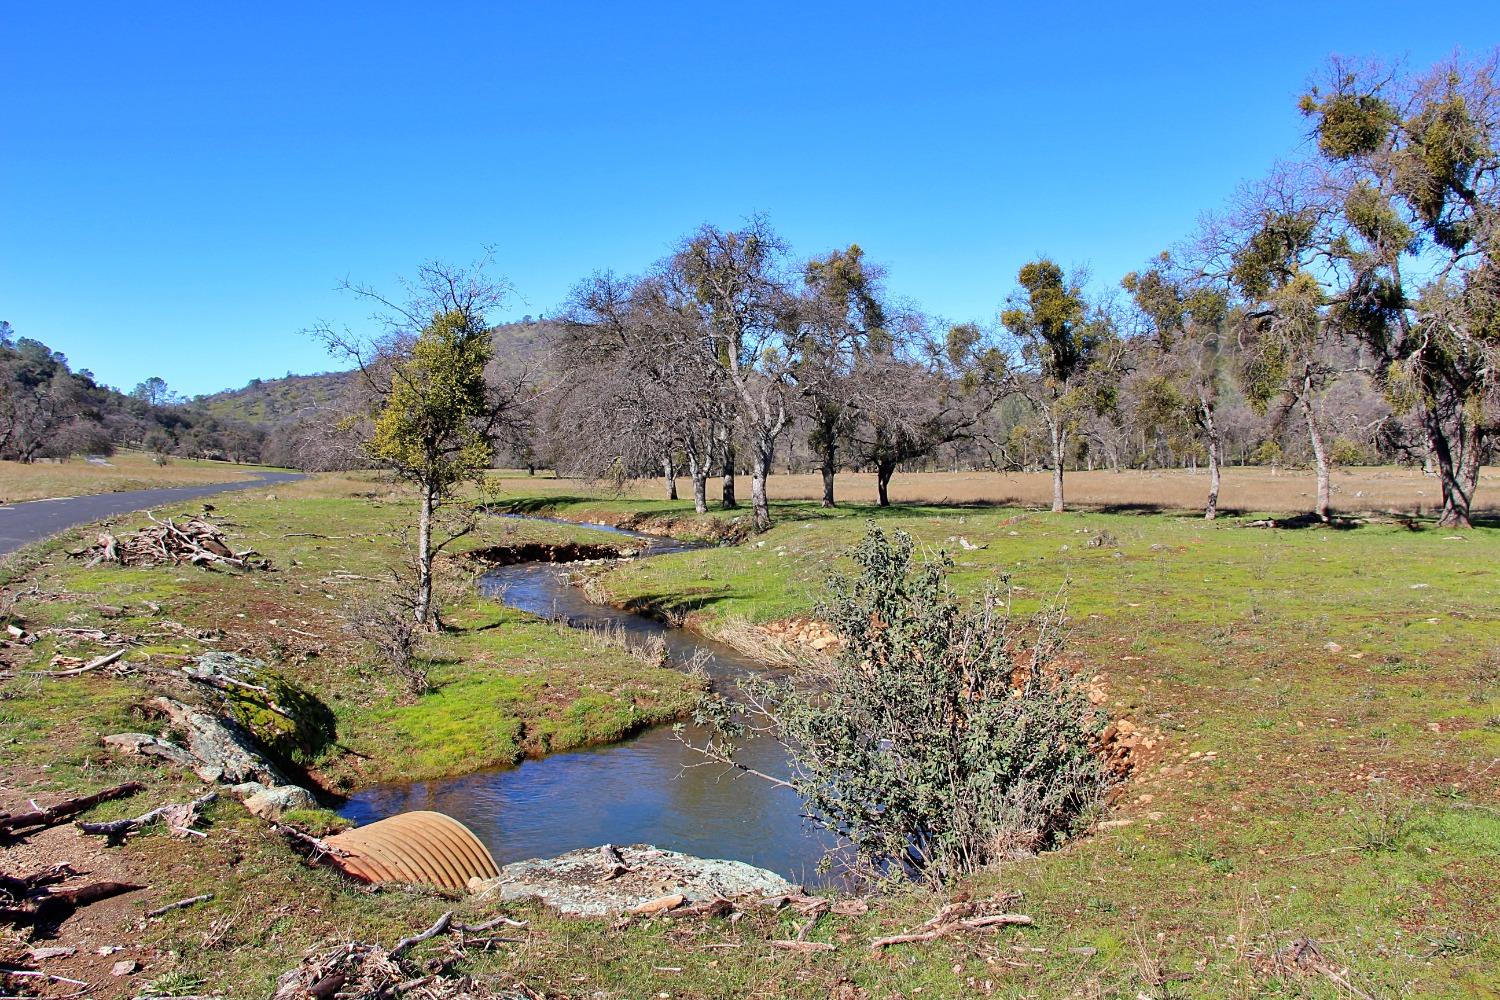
[(675, 608), (812, 510), (534, 505)]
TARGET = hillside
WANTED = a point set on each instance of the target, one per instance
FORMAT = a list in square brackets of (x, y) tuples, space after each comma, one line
[(267, 403)]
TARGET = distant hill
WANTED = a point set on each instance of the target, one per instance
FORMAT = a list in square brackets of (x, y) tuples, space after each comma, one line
[(268, 403), (265, 403)]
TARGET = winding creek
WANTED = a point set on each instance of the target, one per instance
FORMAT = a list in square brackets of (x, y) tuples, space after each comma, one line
[(649, 789)]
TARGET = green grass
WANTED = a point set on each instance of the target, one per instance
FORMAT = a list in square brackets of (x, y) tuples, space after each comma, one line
[(1353, 792), (1352, 795), (506, 684)]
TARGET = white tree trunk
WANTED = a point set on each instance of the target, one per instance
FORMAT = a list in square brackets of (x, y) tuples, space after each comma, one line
[(698, 472), (669, 473), (1320, 454), (1211, 431), (424, 557), (759, 473), (1059, 447)]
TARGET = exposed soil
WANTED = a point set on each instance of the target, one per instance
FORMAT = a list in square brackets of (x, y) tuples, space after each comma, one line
[(107, 924), (528, 552)]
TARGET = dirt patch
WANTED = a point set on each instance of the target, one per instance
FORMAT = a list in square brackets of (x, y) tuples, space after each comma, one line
[(528, 552), (70, 947)]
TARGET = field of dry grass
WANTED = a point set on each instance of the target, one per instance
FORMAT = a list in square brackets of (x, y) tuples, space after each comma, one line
[(1355, 490), (128, 470)]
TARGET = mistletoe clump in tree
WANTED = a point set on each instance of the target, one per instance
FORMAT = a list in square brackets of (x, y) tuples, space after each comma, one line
[(1409, 180)]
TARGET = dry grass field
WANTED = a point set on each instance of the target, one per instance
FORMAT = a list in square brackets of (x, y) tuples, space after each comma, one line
[(128, 470), (1355, 490)]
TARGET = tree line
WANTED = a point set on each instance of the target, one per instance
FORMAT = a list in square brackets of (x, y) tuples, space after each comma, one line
[(1345, 308), (49, 410)]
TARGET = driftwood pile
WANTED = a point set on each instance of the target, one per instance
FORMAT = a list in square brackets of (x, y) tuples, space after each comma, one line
[(195, 542), (360, 971)]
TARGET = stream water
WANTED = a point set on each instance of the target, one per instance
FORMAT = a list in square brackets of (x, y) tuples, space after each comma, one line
[(649, 789)]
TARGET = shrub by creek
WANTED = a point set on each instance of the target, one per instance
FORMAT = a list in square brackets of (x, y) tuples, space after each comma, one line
[(944, 736)]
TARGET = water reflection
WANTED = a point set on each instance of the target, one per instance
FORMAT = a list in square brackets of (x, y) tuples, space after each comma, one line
[(649, 789)]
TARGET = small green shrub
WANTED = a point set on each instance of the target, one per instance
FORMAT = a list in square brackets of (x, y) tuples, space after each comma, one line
[(945, 736)]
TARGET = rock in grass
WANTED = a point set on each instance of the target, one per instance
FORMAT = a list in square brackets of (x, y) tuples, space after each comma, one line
[(585, 883), (271, 803)]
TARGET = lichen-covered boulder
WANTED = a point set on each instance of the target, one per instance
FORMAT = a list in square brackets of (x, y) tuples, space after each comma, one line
[(271, 803), (603, 881), (288, 721)]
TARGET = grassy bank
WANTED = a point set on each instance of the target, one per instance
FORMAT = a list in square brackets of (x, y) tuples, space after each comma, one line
[(1330, 706), (1329, 767), (128, 470), (506, 684)]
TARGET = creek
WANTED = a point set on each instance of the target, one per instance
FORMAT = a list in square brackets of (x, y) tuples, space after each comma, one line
[(648, 789)]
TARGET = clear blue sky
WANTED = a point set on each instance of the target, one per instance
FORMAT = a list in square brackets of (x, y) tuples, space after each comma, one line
[(182, 186)]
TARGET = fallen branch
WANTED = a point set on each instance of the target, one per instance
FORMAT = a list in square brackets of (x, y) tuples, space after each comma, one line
[(953, 919), (489, 925), (803, 947), (94, 664), (11, 823), (180, 904), (58, 904), (439, 927), (186, 813)]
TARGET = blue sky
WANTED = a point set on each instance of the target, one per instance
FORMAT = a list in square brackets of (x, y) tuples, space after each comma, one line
[(183, 186)]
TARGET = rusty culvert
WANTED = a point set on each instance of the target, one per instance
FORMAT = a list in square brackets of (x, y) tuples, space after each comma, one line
[(426, 848)]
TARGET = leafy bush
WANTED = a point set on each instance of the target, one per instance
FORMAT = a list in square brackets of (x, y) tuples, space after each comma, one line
[(1346, 453), (945, 735)]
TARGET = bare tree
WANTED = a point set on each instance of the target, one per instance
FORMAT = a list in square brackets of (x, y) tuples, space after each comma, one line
[(1185, 318), (1067, 355), (745, 309), (842, 323), (918, 393), (1410, 170)]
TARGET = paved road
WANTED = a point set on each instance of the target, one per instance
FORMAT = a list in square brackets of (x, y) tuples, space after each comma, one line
[(33, 520)]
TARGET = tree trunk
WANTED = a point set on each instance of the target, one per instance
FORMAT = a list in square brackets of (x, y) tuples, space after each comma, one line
[(729, 500), (1320, 455), (424, 557), (1211, 432), (1059, 446), (883, 472), (669, 473), (829, 458), (760, 471), (698, 472), (1457, 477)]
